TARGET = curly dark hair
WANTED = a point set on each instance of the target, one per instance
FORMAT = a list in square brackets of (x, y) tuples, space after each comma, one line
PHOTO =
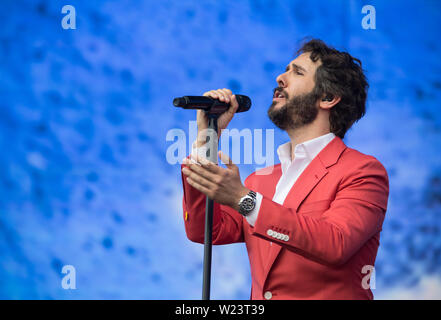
[(340, 75)]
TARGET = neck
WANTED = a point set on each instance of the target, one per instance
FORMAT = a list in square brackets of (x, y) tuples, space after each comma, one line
[(305, 133)]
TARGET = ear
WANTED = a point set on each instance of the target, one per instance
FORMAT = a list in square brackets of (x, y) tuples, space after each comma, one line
[(328, 101)]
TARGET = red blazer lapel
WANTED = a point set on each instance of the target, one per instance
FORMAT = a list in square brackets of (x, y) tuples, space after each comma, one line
[(315, 172)]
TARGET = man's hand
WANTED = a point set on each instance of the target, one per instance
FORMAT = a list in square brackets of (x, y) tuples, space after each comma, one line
[(224, 95), (222, 185)]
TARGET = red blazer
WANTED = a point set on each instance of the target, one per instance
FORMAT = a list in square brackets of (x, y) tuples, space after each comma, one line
[(333, 216)]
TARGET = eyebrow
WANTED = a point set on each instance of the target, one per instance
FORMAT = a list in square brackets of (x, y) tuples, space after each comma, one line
[(295, 66)]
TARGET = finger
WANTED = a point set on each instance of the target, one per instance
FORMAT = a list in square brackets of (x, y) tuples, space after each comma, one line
[(198, 186), (212, 94), (196, 158), (190, 161), (234, 105), (223, 95), (226, 160), (203, 172), (228, 91), (198, 178), (208, 165), (227, 94)]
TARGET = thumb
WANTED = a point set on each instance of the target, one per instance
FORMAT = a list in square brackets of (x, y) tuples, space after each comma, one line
[(234, 105), (226, 160)]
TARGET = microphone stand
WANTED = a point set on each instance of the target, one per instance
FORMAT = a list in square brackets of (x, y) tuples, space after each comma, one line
[(212, 140)]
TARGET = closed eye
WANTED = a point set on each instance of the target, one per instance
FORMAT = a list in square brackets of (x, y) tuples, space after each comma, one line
[(296, 68), (296, 71)]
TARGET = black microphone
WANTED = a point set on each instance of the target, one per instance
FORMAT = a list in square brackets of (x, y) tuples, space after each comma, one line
[(210, 105)]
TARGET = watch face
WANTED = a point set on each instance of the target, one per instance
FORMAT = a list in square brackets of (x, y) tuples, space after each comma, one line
[(247, 205)]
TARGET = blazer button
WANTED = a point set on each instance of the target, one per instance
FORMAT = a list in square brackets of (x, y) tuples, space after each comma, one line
[(270, 232), (268, 295)]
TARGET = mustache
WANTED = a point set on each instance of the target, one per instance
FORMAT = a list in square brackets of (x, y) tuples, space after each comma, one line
[(280, 89)]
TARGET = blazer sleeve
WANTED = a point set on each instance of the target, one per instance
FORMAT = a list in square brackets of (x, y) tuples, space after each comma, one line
[(355, 215), (227, 222)]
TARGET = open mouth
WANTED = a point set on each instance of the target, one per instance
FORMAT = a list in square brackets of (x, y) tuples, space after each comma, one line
[(278, 94)]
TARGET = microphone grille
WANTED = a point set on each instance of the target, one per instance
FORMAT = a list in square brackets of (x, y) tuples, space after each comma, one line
[(244, 103), (178, 102)]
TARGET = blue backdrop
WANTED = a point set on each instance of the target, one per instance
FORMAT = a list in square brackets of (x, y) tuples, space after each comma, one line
[(84, 115)]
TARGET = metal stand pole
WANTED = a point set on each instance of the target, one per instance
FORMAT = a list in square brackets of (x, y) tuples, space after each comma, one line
[(212, 141)]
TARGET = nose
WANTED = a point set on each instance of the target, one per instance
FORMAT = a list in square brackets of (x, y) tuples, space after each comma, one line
[(281, 80)]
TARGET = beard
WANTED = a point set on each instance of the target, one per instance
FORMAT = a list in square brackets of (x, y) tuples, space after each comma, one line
[(296, 112)]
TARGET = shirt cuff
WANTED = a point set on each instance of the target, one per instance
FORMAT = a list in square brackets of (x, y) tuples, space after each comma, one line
[(199, 152), (252, 216)]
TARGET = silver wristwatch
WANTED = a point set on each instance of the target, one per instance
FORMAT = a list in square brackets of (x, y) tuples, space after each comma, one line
[(247, 203)]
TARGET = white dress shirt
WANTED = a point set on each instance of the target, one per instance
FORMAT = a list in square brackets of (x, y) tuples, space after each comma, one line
[(304, 153)]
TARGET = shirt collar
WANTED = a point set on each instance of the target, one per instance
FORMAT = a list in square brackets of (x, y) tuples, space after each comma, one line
[(306, 150)]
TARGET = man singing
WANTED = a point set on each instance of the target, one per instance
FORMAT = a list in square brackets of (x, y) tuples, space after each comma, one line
[(311, 224)]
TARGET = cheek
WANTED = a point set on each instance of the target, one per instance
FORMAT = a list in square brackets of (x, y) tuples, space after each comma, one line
[(300, 86)]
